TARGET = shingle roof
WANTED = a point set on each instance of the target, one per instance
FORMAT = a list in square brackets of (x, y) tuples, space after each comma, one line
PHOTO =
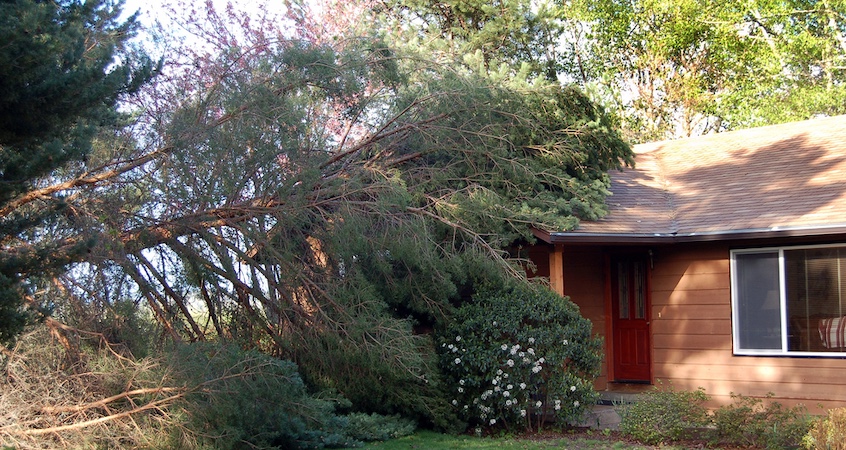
[(789, 176)]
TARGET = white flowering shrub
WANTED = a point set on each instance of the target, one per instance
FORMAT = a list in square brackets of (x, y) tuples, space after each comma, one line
[(518, 357)]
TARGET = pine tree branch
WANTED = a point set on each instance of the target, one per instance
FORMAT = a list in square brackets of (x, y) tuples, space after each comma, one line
[(158, 404), (107, 400), (86, 179)]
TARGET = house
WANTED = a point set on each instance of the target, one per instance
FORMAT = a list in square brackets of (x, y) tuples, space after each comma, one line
[(722, 265)]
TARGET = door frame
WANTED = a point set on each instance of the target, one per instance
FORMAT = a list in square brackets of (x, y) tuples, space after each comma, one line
[(610, 324)]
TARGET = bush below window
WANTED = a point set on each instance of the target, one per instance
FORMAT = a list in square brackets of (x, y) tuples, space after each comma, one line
[(753, 421), (665, 415)]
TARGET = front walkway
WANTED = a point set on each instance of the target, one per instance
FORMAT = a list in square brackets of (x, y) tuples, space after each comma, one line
[(601, 417), (604, 415)]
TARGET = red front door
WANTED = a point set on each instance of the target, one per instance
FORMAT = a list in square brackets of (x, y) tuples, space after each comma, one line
[(630, 325)]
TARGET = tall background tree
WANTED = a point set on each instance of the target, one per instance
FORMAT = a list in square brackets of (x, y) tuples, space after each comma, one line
[(683, 68), (665, 69), (64, 65)]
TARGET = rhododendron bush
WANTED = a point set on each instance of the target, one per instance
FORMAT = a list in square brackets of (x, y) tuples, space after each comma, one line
[(519, 357)]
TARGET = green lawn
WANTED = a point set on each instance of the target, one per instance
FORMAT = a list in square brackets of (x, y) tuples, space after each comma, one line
[(430, 440)]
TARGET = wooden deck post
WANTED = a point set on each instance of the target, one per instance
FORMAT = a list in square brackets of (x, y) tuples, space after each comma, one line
[(556, 269)]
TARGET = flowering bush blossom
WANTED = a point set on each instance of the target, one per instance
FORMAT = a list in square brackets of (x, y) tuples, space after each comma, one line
[(525, 355)]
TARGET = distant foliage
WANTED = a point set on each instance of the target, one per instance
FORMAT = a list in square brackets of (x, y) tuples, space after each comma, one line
[(519, 356), (664, 415)]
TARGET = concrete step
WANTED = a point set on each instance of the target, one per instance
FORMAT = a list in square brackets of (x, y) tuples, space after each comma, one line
[(617, 398), (601, 417), (605, 415)]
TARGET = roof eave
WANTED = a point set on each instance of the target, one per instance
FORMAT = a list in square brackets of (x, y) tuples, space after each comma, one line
[(577, 237)]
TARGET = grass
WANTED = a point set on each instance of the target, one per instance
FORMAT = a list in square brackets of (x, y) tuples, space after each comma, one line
[(578, 441)]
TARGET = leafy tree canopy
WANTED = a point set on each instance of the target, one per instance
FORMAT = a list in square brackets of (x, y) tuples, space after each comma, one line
[(690, 67), (664, 68), (514, 32)]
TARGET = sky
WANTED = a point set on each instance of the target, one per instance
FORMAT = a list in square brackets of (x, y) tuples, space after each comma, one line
[(151, 9)]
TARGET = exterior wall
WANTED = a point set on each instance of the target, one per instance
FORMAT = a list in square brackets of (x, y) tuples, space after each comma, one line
[(691, 337), (584, 283), (691, 329), (691, 321)]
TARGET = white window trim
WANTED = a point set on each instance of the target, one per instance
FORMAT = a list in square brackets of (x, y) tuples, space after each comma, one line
[(782, 303)]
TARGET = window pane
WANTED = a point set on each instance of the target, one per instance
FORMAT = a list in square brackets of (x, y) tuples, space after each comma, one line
[(815, 299), (758, 305), (640, 289), (623, 289)]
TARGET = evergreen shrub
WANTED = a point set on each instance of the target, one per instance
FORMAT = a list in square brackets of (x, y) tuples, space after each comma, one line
[(517, 356), (245, 399), (378, 427), (664, 415)]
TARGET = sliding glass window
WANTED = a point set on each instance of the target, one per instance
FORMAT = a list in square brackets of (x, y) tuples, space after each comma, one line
[(789, 300)]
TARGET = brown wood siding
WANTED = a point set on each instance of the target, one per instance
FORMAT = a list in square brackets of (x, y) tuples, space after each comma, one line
[(584, 282), (691, 328)]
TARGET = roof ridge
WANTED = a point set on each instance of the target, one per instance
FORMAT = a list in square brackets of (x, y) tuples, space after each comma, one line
[(770, 129)]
